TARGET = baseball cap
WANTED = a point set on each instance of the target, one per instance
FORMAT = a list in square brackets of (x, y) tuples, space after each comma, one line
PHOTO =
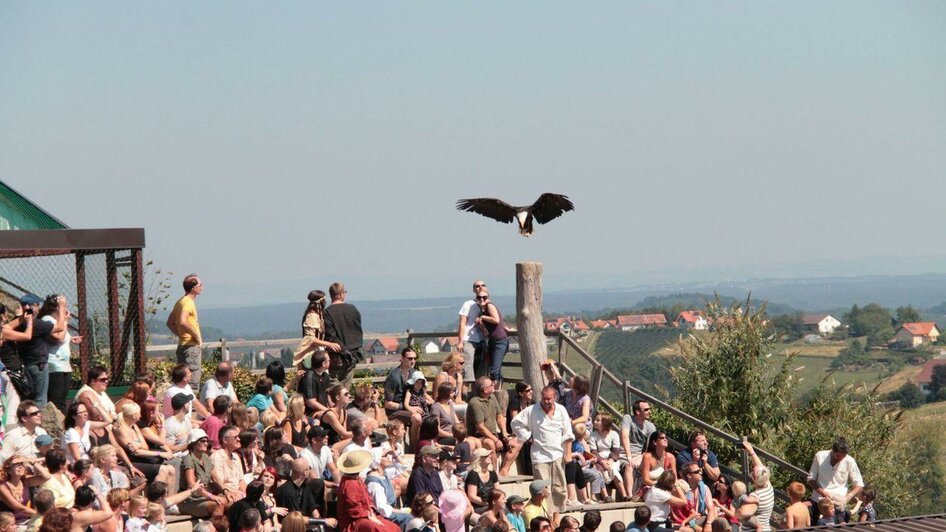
[(430, 450), (515, 499), (536, 486), (180, 400), (30, 299), (43, 440)]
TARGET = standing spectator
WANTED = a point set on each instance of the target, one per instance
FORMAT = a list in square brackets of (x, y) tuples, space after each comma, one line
[(34, 353), (635, 429), (343, 327), (497, 337), (184, 324), (313, 330), (472, 341), (831, 472), (485, 420), (699, 453), (60, 370), (216, 421), (220, 384), (550, 429), (21, 441), (356, 510), (315, 383), (796, 513), (764, 492), (19, 329), (424, 477), (395, 388)]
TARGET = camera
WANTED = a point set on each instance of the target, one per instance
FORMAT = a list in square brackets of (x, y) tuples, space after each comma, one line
[(28, 309)]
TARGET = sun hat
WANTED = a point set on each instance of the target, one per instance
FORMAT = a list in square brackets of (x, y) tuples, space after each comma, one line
[(452, 508), (481, 452), (416, 376), (196, 434), (354, 462)]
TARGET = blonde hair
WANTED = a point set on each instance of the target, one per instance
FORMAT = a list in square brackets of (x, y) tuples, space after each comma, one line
[(269, 418), (760, 476), (155, 514), (239, 416), (252, 416), (450, 362), (392, 425), (294, 522), (295, 410), (100, 453), (738, 488), (6, 519), (129, 410), (825, 504), (580, 431), (136, 503)]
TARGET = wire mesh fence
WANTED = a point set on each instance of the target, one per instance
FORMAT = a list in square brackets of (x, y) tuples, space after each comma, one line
[(57, 274)]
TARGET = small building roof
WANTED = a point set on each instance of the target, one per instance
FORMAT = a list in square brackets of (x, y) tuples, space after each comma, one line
[(813, 319), (920, 328), (19, 213), (690, 316), (926, 374), (642, 319)]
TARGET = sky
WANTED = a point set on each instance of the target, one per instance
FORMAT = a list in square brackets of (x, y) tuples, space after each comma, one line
[(277, 147)]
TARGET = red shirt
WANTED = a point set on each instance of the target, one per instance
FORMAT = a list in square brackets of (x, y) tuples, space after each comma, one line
[(212, 426), (355, 506)]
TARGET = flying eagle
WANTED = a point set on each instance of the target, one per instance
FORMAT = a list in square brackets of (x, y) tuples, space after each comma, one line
[(545, 209)]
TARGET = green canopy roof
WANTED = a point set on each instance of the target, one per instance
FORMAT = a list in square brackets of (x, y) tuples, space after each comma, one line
[(17, 212)]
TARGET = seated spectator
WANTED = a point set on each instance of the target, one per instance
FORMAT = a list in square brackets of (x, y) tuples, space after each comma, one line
[(495, 511), (262, 400), (101, 408), (657, 459), (606, 447), (642, 520), (663, 495), (699, 453), (577, 401), (515, 504), (540, 524), (240, 416), (581, 471), (393, 448), (319, 456), (763, 491), (21, 440), (395, 387), (635, 430), (365, 404), (335, 419), (227, 471), (416, 398), (276, 372), (180, 383), (157, 492), (723, 497), (354, 506), (295, 424), (220, 384), (252, 458), (444, 410), (252, 501), (220, 417), (480, 480), (591, 521), (430, 432), (699, 498), (177, 428), (424, 477), (454, 510), (59, 481), (43, 502), (569, 524), (81, 473), (538, 506), (451, 372), (448, 467), (523, 397), (84, 514), (314, 385), (131, 439), (277, 452), (137, 393), (196, 468), (16, 483), (485, 421), (302, 493), (382, 493), (106, 475), (360, 435)]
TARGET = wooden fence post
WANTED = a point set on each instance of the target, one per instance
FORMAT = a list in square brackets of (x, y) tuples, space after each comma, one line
[(532, 344)]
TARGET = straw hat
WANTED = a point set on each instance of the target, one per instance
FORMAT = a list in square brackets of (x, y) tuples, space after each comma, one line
[(354, 462)]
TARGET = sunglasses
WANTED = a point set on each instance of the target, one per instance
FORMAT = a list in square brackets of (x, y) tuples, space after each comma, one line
[(31, 414), (482, 298), (479, 286)]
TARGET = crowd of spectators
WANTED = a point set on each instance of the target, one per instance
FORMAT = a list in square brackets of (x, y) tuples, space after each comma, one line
[(309, 450)]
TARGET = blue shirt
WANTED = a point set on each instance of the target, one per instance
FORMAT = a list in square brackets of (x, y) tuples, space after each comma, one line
[(517, 521), (260, 402), (685, 457)]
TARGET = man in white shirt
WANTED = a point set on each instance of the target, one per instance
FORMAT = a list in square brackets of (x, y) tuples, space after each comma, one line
[(220, 384), (831, 472), (180, 383), (177, 426), (22, 439), (319, 455), (550, 429), (472, 339)]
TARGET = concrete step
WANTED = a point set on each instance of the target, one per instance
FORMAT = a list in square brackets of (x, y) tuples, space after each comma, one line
[(610, 511)]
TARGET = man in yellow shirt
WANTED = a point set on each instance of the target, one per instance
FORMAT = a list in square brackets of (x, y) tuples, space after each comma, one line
[(184, 324)]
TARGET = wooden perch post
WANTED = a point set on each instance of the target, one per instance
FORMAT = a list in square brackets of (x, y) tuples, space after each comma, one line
[(532, 346)]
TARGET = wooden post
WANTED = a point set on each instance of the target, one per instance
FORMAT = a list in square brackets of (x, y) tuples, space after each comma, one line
[(137, 290), (82, 304), (532, 346), (114, 332)]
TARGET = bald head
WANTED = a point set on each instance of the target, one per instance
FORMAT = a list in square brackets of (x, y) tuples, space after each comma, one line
[(299, 467)]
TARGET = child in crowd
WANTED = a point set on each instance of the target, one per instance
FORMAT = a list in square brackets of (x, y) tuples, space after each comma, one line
[(393, 447), (463, 449), (416, 398), (826, 507), (740, 497), (156, 522), (867, 511), (137, 513), (606, 446), (797, 514), (81, 472), (581, 453), (616, 526)]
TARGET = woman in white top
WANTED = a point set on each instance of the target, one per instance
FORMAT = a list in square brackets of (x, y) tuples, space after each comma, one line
[(661, 496), (54, 309), (606, 446), (76, 441)]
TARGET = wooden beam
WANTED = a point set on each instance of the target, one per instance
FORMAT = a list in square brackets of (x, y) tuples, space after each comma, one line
[(82, 303), (55, 241), (114, 332), (533, 348), (137, 296)]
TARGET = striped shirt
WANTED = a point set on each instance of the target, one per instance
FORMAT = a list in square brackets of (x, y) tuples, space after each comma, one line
[(766, 497)]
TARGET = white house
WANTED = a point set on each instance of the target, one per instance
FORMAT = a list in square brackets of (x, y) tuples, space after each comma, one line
[(431, 346), (820, 323), (692, 319)]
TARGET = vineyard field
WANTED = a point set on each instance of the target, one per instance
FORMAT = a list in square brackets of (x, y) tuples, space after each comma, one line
[(641, 357)]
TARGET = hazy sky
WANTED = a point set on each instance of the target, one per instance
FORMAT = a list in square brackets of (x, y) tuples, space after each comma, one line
[(296, 143)]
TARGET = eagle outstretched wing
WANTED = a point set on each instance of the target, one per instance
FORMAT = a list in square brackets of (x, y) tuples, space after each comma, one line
[(550, 206), (493, 208)]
